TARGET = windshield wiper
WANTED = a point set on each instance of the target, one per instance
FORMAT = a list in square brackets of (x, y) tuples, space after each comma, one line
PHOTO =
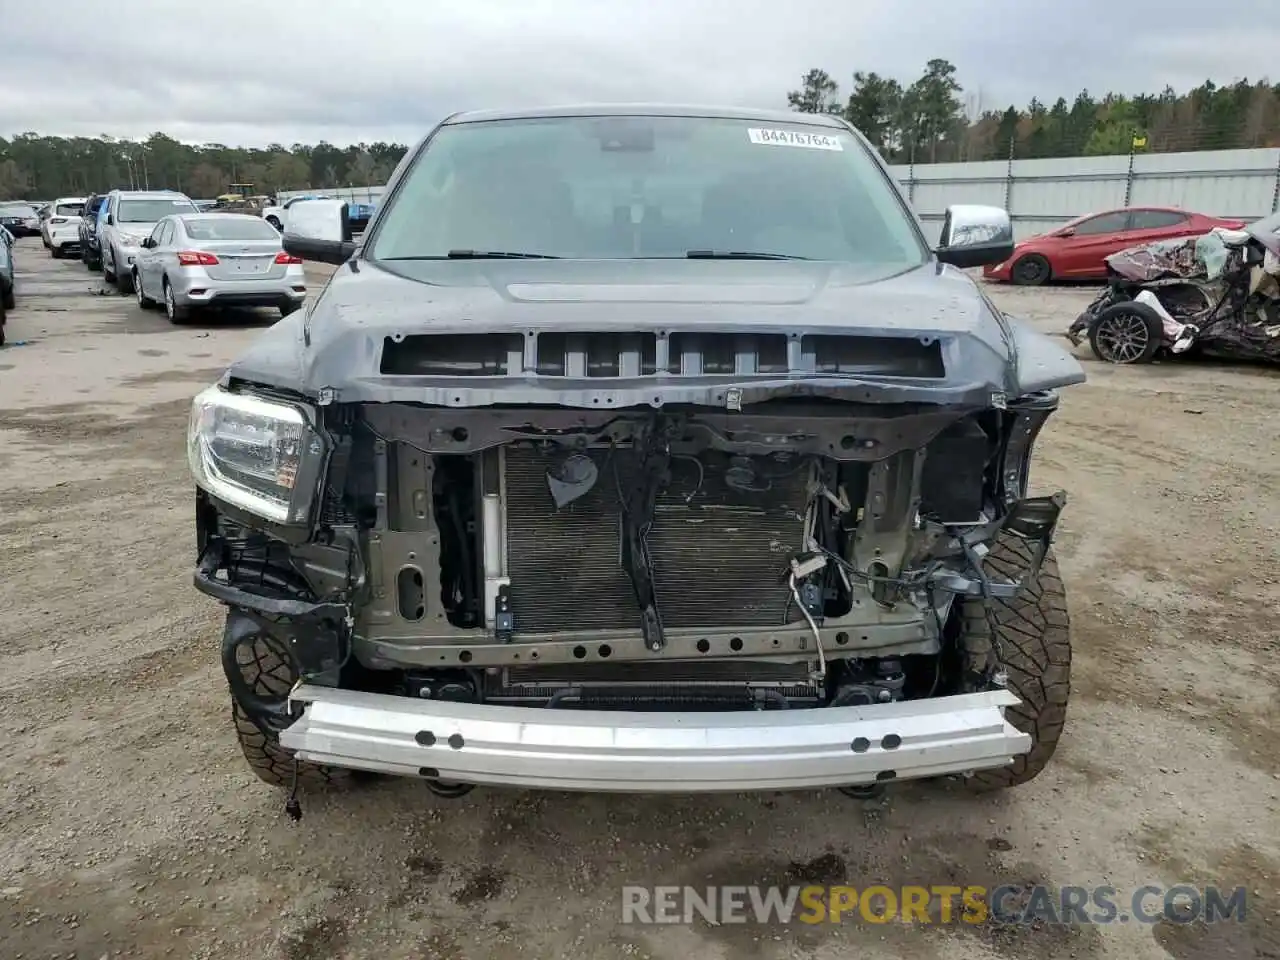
[(482, 255), (498, 255), (738, 255)]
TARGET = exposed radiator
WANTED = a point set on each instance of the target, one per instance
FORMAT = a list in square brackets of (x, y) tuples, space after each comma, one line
[(719, 555)]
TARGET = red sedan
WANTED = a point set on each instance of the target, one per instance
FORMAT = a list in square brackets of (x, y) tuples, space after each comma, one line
[(1075, 250)]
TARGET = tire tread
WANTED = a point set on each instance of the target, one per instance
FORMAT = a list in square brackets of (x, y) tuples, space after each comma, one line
[(270, 675), (1029, 638)]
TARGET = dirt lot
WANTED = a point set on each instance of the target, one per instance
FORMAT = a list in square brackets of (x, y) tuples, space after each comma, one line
[(130, 827)]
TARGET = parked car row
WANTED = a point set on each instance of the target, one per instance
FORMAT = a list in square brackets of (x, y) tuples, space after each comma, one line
[(1078, 249), (160, 246)]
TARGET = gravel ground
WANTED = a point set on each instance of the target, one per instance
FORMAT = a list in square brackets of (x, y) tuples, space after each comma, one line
[(130, 826)]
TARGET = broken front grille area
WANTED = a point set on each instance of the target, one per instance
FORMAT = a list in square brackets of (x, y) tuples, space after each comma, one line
[(612, 354)]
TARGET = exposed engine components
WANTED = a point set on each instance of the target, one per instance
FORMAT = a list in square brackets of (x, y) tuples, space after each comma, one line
[(862, 683)]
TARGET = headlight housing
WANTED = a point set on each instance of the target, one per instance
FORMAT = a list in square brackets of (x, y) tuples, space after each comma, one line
[(130, 239), (261, 455)]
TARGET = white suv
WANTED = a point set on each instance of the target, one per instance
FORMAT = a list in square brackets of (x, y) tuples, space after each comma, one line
[(131, 216), (61, 228)]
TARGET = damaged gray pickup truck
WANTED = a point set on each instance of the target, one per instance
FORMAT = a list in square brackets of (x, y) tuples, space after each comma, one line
[(639, 449)]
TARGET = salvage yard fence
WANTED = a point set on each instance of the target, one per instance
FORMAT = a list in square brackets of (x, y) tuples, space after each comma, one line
[(1041, 194)]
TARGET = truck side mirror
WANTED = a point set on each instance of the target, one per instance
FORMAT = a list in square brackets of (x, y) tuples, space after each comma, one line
[(975, 235), (320, 231)]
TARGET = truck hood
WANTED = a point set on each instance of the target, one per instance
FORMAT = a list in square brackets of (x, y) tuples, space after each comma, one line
[(333, 351)]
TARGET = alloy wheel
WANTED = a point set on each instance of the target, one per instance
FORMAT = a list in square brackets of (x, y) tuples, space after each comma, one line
[(1123, 338)]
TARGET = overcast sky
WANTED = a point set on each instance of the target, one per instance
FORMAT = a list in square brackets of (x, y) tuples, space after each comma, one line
[(250, 72)]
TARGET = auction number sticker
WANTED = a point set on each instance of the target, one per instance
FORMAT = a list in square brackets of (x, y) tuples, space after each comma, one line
[(791, 138)]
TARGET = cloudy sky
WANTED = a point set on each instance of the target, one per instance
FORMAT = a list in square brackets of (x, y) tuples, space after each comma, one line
[(256, 71)]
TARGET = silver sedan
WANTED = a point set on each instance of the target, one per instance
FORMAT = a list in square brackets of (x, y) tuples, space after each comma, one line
[(194, 261)]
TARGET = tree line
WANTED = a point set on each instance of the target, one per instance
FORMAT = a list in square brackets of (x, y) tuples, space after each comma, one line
[(934, 119), (38, 167), (930, 120)]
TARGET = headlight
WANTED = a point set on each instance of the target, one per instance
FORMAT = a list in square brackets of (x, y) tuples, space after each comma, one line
[(130, 240), (262, 456)]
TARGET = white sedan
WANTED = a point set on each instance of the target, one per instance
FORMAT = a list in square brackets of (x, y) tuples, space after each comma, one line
[(196, 261)]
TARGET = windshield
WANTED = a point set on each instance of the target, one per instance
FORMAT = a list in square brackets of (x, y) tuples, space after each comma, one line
[(68, 210), (229, 228), (649, 187), (149, 211)]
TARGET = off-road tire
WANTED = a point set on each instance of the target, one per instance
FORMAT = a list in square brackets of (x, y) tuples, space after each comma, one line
[(124, 282), (1032, 270), (275, 223), (1027, 637), (270, 675)]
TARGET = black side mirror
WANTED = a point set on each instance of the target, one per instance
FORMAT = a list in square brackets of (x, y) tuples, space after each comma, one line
[(149, 242), (111, 220)]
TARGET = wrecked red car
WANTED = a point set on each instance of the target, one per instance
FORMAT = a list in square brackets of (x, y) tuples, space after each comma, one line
[(1217, 294)]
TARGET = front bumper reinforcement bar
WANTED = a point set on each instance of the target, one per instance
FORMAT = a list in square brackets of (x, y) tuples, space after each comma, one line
[(654, 752)]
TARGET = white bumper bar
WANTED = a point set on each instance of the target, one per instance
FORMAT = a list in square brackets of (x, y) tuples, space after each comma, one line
[(593, 750)]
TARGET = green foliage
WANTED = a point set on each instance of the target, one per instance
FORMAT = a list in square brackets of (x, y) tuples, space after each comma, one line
[(930, 121), (46, 167), (817, 94)]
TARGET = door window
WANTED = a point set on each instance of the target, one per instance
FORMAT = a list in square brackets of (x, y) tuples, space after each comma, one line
[(1157, 219), (1104, 223)]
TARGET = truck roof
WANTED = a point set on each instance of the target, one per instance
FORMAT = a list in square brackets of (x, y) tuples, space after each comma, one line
[(649, 110), (146, 194)]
